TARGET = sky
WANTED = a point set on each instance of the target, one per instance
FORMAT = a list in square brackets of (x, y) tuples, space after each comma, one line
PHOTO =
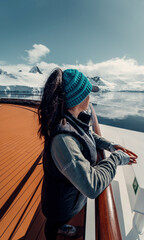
[(70, 31), (98, 37)]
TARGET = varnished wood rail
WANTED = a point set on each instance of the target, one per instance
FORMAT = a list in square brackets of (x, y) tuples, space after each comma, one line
[(107, 225)]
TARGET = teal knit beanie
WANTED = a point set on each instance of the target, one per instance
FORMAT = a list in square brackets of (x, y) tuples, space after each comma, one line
[(76, 86)]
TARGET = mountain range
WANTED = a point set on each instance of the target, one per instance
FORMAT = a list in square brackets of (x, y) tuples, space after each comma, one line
[(7, 74), (33, 90), (33, 80), (34, 69)]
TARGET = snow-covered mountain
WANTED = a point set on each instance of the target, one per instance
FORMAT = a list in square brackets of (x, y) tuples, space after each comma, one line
[(4, 73), (117, 85), (35, 78), (31, 78), (35, 69), (101, 83)]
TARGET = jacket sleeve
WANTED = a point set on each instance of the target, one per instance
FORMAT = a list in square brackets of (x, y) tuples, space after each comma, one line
[(90, 181), (102, 143)]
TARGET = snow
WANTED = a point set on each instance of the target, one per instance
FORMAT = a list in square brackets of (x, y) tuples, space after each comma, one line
[(24, 79), (28, 78)]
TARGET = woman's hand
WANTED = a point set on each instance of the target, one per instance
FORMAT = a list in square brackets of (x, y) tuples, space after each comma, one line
[(132, 155)]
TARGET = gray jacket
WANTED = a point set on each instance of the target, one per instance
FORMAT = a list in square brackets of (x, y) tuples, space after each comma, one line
[(89, 180), (71, 173)]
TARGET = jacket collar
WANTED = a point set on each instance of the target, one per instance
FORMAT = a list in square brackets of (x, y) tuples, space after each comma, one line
[(79, 122)]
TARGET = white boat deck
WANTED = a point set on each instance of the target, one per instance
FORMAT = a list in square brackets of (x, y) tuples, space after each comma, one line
[(133, 141)]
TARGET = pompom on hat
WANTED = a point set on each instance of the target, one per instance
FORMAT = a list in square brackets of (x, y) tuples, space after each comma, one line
[(76, 86)]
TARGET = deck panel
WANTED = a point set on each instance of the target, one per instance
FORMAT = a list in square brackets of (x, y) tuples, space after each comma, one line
[(25, 194), (37, 225), (8, 169), (8, 218), (26, 211), (16, 146), (22, 162), (12, 158), (13, 181), (41, 233), (19, 148), (22, 159), (26, 220), (21, 176)]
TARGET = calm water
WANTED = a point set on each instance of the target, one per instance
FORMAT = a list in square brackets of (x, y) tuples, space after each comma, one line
[(119, 109), (135, 123)]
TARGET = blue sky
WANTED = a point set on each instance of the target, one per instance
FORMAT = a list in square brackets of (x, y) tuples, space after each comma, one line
[(71, 31)]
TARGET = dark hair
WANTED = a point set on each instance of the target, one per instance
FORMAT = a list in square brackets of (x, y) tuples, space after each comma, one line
[(51, 108)]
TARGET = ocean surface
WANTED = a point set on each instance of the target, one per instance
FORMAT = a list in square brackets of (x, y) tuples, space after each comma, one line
[(119, 109)]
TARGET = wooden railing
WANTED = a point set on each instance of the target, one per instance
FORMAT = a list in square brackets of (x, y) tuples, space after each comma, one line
[(23, 102), (107, 225)]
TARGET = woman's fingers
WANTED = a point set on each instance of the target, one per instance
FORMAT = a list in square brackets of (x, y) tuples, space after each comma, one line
[(130, 152), (132, 160), (130, 163), (125, 150), (132, 155)]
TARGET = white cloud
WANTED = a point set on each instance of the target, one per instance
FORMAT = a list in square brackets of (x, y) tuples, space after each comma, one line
[(15, 68), (119, 72), (38, 51), (117, 67), (2, 62), (47, 67)]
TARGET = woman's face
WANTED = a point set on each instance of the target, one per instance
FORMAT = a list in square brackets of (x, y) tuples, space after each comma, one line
[(85, 103), (80, 107)]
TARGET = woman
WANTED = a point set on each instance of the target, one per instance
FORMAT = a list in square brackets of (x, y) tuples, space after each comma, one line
[(71, 173)]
